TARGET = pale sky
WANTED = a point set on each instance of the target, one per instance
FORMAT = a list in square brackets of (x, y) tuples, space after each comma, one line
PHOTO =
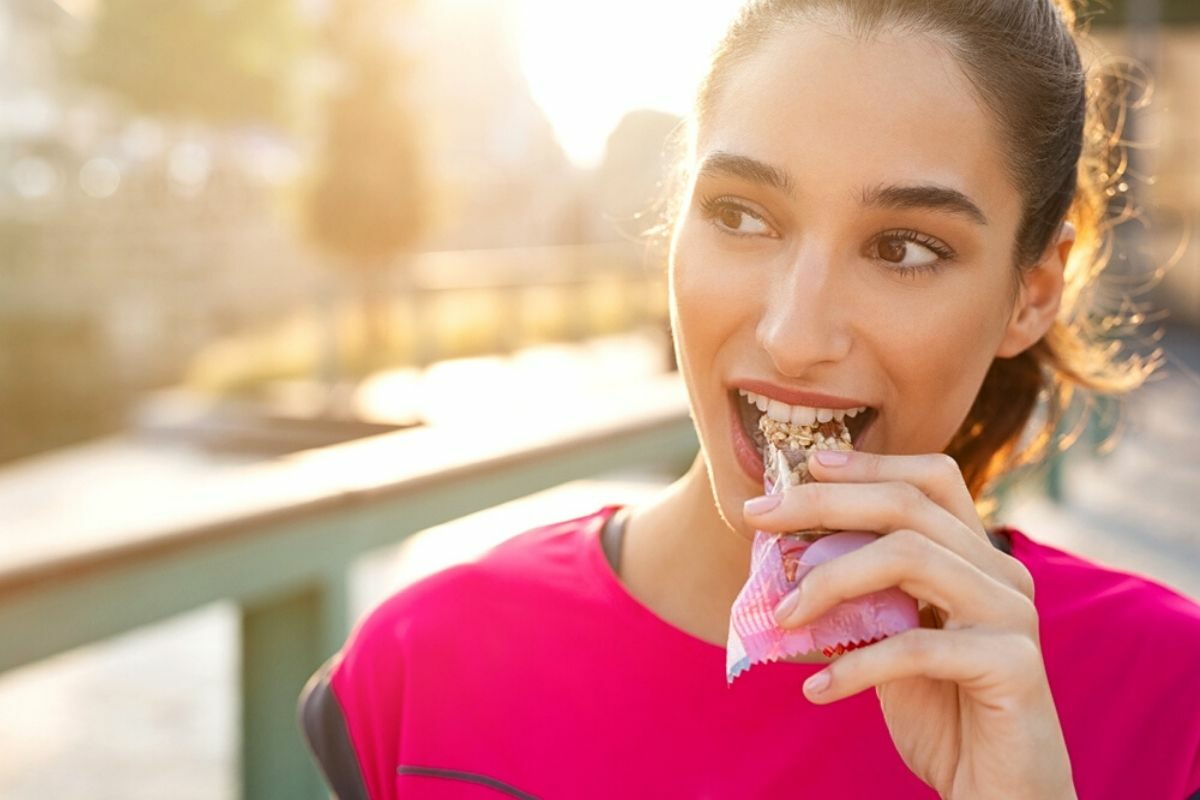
[(589, 63)]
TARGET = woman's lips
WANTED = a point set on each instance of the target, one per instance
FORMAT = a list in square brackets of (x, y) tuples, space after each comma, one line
[(745, 450)]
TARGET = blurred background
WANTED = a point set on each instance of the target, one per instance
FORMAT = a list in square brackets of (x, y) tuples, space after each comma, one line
[(275, 274)]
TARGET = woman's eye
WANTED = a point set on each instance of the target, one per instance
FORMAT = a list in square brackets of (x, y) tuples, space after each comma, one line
[(901, 250), (729, 217), (909, 252)]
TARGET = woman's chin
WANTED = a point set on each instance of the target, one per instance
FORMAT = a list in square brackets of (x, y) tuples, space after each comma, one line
[(730, 503)]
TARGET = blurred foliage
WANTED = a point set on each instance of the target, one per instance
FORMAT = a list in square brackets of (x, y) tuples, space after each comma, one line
[(49, 376), (56, 372), (1118, 12), (198, 59), (366, 198)]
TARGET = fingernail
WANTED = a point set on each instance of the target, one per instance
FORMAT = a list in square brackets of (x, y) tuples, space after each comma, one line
[(787, 605), (832, 458), (761, 505), (817, 683)]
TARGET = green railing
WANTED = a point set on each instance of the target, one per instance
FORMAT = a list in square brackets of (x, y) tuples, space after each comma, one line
[(279, 538)]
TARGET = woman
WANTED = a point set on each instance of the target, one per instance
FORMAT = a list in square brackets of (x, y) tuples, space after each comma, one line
[(891, 205)]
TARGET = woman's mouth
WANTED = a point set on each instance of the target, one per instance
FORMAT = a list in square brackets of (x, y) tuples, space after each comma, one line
[(748, 440)]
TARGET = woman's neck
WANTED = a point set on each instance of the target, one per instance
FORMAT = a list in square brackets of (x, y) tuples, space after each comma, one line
[(680, 559)]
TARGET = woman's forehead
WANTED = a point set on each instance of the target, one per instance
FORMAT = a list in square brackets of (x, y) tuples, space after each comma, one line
[(830, 111), (933, 189)]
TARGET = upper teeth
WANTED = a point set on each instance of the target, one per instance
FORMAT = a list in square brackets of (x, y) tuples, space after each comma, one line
[(797, 415)]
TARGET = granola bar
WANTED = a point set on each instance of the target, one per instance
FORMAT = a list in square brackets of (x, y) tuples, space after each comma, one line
[(795, 442), (779, 561)]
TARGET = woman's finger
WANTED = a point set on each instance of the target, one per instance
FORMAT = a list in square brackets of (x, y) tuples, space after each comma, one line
[(939, 478), (878, 507), (919, 567), (987, 664), (883, 508), (937, 475)]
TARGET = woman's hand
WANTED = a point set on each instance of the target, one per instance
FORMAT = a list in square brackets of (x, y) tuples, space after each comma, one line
[(965, 696)]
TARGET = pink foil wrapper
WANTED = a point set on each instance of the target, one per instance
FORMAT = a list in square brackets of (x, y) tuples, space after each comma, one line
[(778, 562)]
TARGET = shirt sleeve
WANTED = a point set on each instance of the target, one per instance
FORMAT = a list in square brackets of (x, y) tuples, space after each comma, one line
[(1195, 794), (351, 711), (323, 724)]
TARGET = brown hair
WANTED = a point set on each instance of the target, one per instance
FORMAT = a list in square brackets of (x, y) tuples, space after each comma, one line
[(1061, 134)]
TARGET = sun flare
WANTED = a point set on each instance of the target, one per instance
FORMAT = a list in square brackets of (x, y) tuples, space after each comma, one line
[(588, 64)]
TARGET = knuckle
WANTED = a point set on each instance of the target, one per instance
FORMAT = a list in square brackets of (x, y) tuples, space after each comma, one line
[(832, 582), (918, 644), (823, 498), (945, 465), (817, 582), (1017, 575), (872, 466), (908, 498), (811, 498), (1023, 579), (1026, 614), (1024, 654), (909, 545)]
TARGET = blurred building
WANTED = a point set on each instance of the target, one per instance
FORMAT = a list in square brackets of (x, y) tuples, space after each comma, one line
[(126, 243)]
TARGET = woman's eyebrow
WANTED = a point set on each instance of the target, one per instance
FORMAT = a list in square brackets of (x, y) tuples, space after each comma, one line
[(720, 162), (927, 196)]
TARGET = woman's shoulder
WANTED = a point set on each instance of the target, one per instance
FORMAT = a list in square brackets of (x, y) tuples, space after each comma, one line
[(1115, 639), (554, 559), (1072, 584), (495, 591), (1071, 576), (1080, 598)]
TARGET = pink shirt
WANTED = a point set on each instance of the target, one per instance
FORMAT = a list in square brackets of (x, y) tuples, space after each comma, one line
[(532, 672)]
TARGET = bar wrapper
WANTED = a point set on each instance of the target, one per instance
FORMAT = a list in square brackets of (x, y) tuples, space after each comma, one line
[(779, 561)]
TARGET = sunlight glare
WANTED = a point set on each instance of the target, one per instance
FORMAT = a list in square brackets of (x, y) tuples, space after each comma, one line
[(589, 63)]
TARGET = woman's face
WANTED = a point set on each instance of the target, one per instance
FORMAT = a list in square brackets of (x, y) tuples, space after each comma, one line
[(875, 268)]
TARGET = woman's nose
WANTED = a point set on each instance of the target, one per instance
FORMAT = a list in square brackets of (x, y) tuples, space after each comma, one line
[(804, 317)]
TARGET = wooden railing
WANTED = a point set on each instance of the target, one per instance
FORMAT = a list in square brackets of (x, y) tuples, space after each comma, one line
[(279, 538), (573, 273)]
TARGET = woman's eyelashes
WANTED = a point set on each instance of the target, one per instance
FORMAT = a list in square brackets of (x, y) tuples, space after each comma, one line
[(894, 248), (724, 210)]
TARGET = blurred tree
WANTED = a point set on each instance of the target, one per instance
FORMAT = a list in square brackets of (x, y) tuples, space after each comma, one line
[(197, 59), (367, 203)]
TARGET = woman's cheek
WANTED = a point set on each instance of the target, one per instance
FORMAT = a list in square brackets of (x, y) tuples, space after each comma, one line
[(943, 358), (707, 295)]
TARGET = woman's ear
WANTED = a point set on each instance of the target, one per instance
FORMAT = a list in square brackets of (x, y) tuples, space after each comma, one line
[(1039, 297)]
